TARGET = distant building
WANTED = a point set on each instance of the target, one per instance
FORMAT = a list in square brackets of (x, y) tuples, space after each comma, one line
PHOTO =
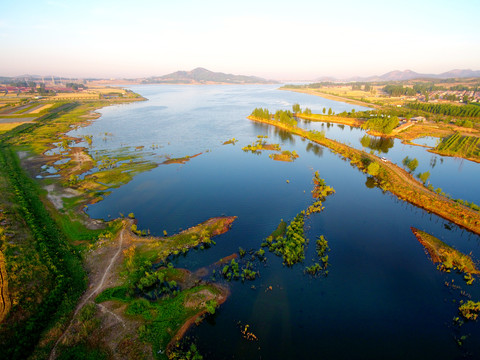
[(418, 119)]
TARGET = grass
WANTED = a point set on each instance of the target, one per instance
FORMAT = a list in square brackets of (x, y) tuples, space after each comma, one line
[(9, 126), (165, 317)]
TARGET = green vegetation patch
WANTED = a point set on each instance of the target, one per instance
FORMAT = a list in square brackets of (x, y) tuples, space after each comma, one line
[(448, 257)]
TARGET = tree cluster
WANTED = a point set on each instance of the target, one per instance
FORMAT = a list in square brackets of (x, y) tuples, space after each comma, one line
[(384, 125), (261, 113), (399, 90)]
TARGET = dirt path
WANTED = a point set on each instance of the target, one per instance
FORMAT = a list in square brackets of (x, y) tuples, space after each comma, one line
[(111, 313), (97, 282)]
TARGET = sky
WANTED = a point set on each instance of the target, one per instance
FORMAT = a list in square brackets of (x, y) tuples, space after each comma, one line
[(302, 39)]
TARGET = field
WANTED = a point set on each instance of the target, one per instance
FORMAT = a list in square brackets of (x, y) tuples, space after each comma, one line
[(463, 146), (9, 126)]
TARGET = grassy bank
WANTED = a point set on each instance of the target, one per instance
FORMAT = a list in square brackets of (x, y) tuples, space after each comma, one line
[(60, 264), (42, 265), (165, 301)]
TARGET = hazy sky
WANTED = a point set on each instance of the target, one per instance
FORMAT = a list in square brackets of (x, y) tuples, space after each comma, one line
[(277, 39)]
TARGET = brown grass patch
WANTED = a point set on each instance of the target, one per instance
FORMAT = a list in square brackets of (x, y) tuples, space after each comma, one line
[(5, 302)]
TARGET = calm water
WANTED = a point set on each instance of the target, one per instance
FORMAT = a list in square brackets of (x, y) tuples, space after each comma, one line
[(383, 297)]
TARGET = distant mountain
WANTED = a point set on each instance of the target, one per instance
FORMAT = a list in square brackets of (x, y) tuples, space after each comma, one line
[(398, 75), (204, 76), (459, 73)]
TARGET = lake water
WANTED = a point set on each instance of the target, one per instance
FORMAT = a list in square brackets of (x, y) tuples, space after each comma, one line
[(382, 299)]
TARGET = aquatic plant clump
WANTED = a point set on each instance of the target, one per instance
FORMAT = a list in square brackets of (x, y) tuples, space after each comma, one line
[(320, 191), (470, 310), (291, 246), (322, 249)]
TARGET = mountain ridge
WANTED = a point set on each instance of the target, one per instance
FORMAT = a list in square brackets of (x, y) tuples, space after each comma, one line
[(201, 75), (398, 75)]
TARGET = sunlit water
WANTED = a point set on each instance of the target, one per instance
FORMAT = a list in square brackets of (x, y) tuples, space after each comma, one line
[(383, 297)]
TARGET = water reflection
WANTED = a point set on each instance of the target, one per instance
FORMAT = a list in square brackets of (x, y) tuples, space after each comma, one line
[(285, 136), (370, 183), (314, 148), (380, 144)]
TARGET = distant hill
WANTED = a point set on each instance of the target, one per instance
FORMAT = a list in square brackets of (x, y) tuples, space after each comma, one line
[(204, 76), (398, 75)]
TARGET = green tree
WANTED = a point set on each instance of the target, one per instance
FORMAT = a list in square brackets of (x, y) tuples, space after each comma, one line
[(324, 110), (296, 108), (329, 111), (411, 164), (424, 176)]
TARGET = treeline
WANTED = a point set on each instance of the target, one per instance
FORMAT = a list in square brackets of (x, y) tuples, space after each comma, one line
[(310, 86), (285, 117), (75, 86), (447, 109), (399, 90), (19, 338), (261, 113)]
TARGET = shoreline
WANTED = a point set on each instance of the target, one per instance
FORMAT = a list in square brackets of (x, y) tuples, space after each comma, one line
[(332, 97), (395, 180), (335, 120), (222, 297)]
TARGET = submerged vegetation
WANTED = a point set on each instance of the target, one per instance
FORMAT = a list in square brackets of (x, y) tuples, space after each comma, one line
[(320, 192), (285, 155), (291, 246), (261, 145), (320, 267), (470, 309)]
